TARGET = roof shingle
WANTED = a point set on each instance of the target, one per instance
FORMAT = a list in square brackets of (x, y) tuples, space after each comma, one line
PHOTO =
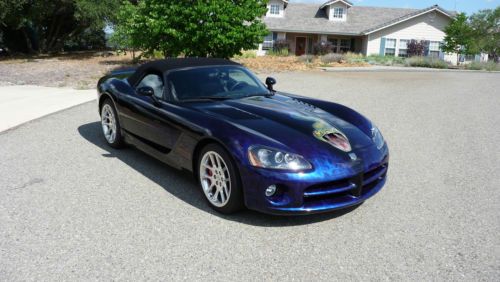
[(308, 18)]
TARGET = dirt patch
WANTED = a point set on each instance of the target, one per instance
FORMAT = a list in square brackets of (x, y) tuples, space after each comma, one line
[(291, 63), (79, 71), (82, 71)]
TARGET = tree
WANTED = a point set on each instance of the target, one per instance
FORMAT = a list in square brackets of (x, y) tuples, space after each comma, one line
[(194, 28), (458, 37), (486, 32), (416, 48), (46, 26)]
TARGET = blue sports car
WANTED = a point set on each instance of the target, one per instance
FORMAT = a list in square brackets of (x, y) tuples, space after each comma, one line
[(247, 144)]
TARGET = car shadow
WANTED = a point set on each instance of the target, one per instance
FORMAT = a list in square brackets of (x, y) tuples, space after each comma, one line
[(182, 185)]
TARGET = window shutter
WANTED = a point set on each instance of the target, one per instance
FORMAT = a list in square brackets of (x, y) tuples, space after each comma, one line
[(426, 47), (382, 46)]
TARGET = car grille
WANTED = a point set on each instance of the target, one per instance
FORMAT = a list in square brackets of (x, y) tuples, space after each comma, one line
[(346, 189)]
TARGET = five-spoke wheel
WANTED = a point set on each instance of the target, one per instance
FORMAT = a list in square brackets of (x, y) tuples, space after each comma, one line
[(110, 124), (219, 180)]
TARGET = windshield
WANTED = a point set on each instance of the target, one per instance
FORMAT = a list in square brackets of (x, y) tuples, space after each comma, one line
[(214, 82)]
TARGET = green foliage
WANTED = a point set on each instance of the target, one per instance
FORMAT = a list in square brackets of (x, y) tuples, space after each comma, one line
[(353, 58), (247, 54), (47, 26), (194, 28), (278, 52), (384, 60), (426, 62), (458, 37), (488, 66), (485, 27)]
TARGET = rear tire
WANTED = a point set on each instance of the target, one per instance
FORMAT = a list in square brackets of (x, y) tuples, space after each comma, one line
[(110, 124), (219, 179)]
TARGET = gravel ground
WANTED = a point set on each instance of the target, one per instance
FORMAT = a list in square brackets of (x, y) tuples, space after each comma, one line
[(71, 208)]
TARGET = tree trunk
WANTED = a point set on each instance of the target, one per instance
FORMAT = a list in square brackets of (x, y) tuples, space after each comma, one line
[(29, 44)]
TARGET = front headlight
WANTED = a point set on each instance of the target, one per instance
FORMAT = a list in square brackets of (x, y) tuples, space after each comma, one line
[(377, 137), (266, 157)]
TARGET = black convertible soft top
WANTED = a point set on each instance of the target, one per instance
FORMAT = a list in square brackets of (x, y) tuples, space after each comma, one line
[(162, 66)]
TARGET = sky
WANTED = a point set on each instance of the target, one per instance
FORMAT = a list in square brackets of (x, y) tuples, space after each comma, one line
[(467, 6)]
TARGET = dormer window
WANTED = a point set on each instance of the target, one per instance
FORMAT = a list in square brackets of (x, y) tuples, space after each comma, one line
[(338, 13), (274, 9)]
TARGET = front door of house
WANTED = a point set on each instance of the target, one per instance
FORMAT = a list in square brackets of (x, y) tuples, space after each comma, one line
[(300, 46)]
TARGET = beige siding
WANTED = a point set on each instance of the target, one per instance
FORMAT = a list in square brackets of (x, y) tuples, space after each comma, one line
[(424, 27)]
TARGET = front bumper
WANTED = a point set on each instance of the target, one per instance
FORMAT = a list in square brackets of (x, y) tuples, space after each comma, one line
[(310, 193)]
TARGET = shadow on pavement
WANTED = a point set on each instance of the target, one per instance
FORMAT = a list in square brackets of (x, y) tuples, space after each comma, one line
[(182, 185)]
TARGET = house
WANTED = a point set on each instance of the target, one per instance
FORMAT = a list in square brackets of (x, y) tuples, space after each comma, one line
[(366, 30)]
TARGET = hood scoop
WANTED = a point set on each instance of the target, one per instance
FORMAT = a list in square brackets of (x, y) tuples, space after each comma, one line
[(333, 137)]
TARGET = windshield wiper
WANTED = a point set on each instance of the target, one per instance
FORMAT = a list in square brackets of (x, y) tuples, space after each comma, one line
[(268, 94)]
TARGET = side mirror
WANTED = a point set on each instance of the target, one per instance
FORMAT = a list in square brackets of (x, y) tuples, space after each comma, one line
[(270, 82), (145, 91)]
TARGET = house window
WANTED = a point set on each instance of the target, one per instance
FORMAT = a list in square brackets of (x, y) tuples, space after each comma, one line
[(403, 48), (338, 13), (335, 44), (345, 45), (434, 49), (390, 47), (269, 41), (274, 9)]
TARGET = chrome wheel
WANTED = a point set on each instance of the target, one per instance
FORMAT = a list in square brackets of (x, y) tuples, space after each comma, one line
[(215, 179), (108, 122)]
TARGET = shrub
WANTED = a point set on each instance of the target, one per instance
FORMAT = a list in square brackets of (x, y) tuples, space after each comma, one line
[(415, 48), (426, 62), (332, 58), (354, 57), (474, 66), (489, 66), (384, 60), (278, 52), (305, 59), (280, 45), (322, 48), (247, 54)]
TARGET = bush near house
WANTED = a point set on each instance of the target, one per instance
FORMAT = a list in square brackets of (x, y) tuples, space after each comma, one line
[(322, 48), (489, 66), (384, 60), (332, 58), (426, 62)]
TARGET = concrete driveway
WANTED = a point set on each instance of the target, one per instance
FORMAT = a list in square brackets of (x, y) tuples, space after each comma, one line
[(71, 208), (20, 104)]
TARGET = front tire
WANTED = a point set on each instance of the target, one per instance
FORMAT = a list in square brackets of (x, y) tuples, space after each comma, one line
[(219, 179), (110, 125)]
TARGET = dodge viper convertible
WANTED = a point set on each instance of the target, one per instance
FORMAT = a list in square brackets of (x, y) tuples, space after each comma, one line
[(247, 144)]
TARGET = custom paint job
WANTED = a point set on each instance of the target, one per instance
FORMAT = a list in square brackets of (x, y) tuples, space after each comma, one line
[(174, 132)]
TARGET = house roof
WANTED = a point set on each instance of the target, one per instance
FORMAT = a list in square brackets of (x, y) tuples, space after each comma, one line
[(335, 1), (308, 18)]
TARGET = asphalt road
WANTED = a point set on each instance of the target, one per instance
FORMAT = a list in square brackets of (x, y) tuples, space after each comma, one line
[(71, 208)]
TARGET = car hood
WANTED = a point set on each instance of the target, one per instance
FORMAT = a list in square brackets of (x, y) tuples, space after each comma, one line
[(288, 121)]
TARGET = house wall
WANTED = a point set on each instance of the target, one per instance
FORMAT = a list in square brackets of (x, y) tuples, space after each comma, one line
[(429, 26), (277, 2)]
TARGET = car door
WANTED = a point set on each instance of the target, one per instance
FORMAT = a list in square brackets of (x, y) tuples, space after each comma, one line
[(146, 117)]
